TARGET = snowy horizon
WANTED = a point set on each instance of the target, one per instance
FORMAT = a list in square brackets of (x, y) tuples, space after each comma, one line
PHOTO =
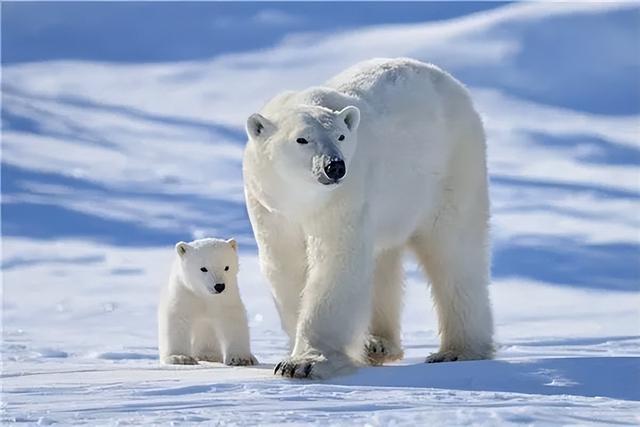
[(114, 148)]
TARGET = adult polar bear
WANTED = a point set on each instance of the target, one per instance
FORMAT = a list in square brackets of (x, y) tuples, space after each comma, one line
[(339, 180)]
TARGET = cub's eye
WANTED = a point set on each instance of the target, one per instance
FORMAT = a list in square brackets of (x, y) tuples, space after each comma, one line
[(341, 138), (302, 141), (226, 268), (204, 269)]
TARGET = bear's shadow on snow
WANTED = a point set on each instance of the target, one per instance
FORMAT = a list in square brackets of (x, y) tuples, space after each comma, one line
[(611, 377)]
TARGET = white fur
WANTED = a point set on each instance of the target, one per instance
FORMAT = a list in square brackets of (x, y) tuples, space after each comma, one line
[(195, 322), (414, 151)]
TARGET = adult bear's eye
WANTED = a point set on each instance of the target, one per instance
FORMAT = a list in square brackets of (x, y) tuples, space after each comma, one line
[(226, 268), (204, 269), (302, 141), (341, 138)]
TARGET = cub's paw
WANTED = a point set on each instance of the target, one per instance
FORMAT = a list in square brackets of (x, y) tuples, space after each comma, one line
[(240, 360), (380, 350), (180, 359), (314, 367), (215, 358)]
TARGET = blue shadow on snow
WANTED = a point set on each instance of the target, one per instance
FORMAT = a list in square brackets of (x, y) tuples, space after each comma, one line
[(563, 261), (612, 377)]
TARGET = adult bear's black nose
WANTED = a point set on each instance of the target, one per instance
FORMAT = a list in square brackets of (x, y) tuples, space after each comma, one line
[(335, 170), (219, 287)]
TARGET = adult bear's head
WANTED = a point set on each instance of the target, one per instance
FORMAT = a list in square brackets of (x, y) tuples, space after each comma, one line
[(307, 143)]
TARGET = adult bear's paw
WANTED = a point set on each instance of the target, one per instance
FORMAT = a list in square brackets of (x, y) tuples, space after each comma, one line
[(486, 352), (314, 366), (179, 359), (443, 356), (380, 350), (240, 360)]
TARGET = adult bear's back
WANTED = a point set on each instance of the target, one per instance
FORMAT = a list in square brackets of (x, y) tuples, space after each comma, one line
[(399, 84)]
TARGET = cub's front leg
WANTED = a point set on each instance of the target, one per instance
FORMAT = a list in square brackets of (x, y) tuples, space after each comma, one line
[(174, 334), (336, 301), (205, 345), (233, 329)]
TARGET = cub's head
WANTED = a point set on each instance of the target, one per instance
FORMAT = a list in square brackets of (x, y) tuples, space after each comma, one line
[(307, 144), (208, 266)]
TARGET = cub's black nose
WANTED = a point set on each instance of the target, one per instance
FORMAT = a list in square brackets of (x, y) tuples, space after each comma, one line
[(219, 287), (335, 170)]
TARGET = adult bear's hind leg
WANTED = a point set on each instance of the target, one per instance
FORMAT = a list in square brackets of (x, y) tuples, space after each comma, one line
[(458, 267)]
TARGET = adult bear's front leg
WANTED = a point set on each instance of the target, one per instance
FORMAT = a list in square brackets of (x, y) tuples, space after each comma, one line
[(282, 260), (336, 301)]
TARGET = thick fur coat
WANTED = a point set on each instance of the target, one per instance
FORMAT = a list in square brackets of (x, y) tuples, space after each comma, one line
[(340, 180)]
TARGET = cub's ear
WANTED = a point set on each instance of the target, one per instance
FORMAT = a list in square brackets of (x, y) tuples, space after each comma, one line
[(258, 127), (233, 244), (182, 248), (351, 117)]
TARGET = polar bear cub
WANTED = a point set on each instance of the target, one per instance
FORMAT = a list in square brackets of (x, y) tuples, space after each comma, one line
[(201, 316)]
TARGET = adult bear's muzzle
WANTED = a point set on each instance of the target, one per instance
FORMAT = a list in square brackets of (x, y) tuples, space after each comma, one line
[(329, 169), (335, 170)]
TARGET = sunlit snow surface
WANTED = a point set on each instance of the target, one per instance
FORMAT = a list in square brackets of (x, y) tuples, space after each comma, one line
[(105, 165)]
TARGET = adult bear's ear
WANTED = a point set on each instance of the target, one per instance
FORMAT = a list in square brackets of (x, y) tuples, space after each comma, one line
[(258, 127), (234, 245), (182, 248), (351, 117)]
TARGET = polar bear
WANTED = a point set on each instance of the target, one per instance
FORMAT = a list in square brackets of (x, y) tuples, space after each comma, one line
[(200, 315), (339, 180)]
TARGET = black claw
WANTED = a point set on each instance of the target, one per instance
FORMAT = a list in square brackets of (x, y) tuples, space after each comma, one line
[(307, 369), (292, 371), (277, 368)]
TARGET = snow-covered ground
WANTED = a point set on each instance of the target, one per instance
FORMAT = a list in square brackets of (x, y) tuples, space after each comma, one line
[(105, 165)]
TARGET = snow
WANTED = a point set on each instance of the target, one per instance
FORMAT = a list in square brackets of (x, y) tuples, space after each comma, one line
[(105, 165), (86, 354)]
